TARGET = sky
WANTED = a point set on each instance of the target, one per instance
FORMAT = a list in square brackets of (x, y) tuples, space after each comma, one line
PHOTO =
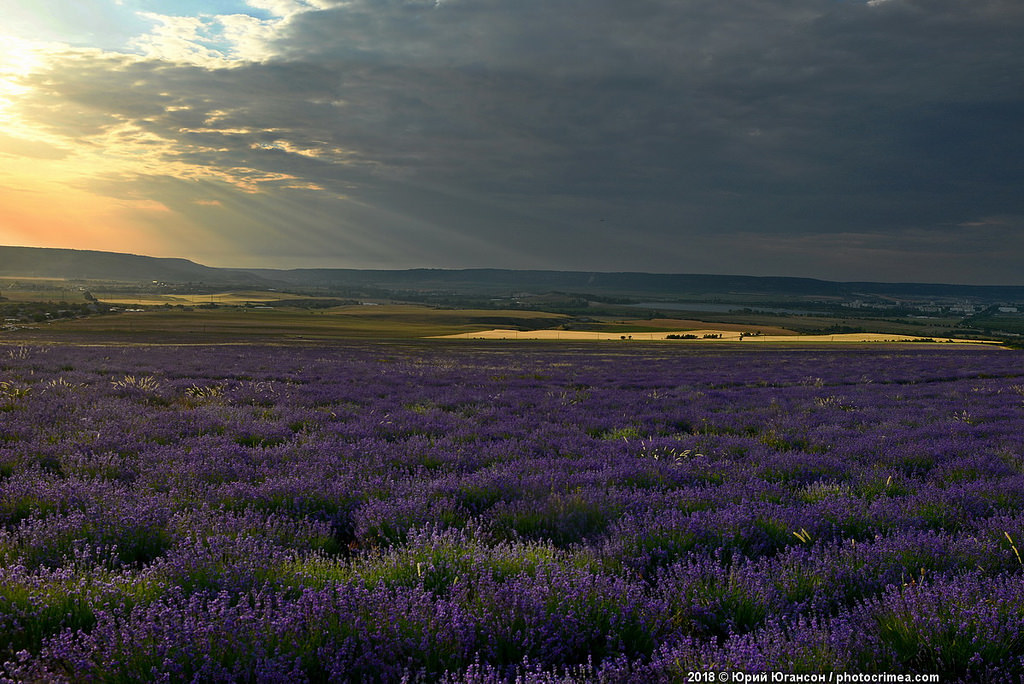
[(848, 140)]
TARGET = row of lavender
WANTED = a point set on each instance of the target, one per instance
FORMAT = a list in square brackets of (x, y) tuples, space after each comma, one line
[(469, 513)]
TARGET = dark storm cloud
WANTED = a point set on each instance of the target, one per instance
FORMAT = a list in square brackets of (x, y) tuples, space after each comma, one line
[(761, 136)]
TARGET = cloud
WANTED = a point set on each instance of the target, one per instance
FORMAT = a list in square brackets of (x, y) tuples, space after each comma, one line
[(212, 41), (179, 39), (20, 147), (287, 8), (589, 134)]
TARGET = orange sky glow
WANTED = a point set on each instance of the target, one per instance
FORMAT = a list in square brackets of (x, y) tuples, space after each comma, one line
[(771, 138)]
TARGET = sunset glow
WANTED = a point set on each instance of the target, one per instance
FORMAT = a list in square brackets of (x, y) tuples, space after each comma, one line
[(808, 139)]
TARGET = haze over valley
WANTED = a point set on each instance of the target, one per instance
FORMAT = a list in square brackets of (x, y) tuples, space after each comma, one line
[(41, 286)]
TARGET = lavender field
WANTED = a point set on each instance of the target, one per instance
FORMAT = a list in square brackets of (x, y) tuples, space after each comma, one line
[(451, 512)]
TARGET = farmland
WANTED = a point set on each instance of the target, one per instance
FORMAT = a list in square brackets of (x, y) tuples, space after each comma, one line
[(141, 300), (461, 511), (279, 324)]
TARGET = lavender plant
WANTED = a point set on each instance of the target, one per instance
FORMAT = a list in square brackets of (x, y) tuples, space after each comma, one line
[(454, 512)]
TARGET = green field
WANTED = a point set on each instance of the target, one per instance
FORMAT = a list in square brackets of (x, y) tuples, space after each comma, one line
[(385, 321), (37, 308), (40, 290)]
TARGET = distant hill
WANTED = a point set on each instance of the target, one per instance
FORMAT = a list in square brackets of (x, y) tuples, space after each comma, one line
[(467, 281), (503, 281), (37, 262), (78, 264)]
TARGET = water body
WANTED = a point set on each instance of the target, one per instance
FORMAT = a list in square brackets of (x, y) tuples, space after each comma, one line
[(719, 308)]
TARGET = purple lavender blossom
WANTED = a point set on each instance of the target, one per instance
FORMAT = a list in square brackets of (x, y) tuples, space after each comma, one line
[(414, 512)]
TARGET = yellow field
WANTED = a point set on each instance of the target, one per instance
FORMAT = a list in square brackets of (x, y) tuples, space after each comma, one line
[(225, 298), (724, 336), (692, 326), (15, 279)]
